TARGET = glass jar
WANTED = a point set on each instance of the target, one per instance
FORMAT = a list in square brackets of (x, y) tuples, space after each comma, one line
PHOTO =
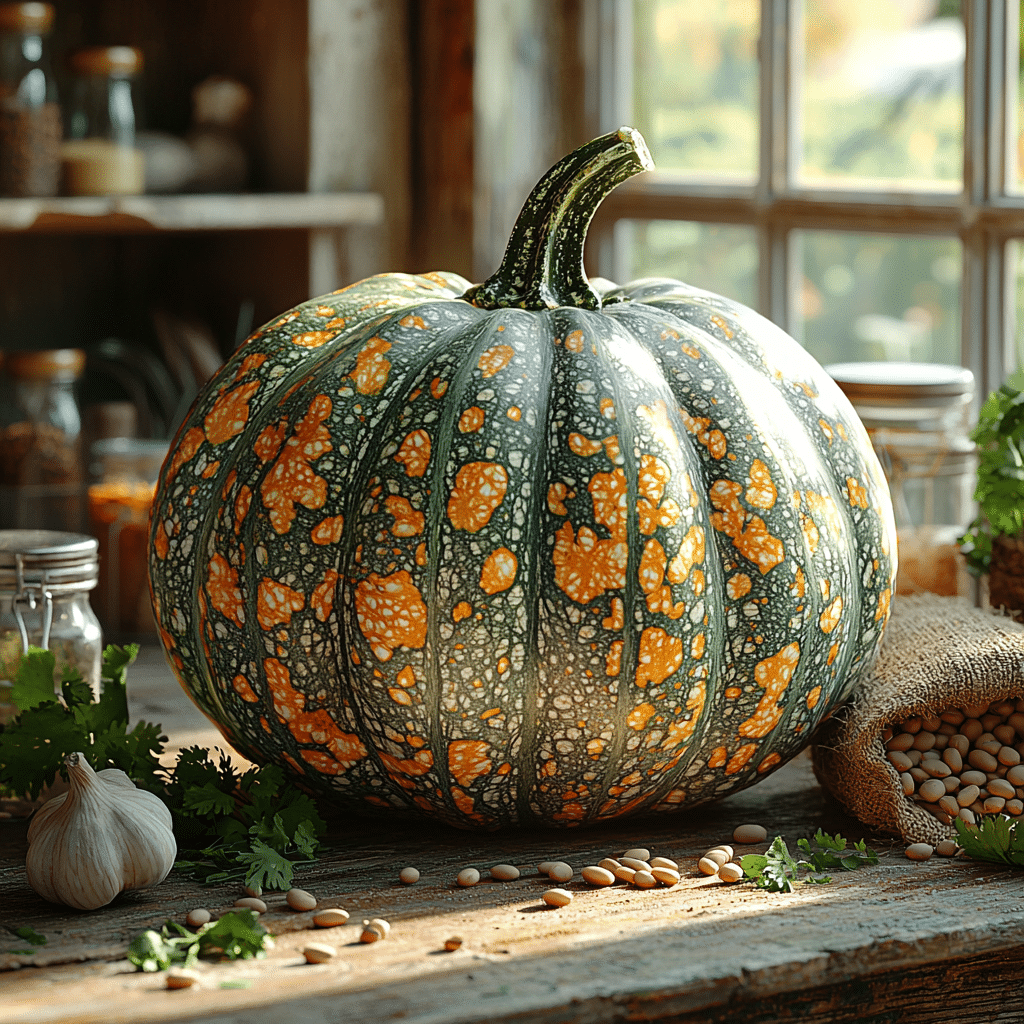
[(45, 579), (125, 470), (918, 418), (100, 156), (41, 473), (30, 119)]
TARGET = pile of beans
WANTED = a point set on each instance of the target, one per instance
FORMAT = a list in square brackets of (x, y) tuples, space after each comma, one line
[(962, 762)]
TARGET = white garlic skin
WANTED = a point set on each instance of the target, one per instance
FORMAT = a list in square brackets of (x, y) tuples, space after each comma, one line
[(98, 839)]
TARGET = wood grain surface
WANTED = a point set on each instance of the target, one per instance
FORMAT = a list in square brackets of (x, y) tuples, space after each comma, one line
[(902, 941)]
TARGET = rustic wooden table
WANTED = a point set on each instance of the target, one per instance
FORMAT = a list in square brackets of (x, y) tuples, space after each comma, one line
[(940, 941)]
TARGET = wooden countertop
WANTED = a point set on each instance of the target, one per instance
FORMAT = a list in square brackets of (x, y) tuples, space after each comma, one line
[(940, 941)]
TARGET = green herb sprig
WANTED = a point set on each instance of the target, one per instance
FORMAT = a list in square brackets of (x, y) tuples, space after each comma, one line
[(995, 838), (999, 435), (252, 826), (237, 935), (777, 869)]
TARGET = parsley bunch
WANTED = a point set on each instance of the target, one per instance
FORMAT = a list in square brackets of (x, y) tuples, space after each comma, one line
[(778, 869), (995, 838), (237, 935), (999, 435), (251, 826)]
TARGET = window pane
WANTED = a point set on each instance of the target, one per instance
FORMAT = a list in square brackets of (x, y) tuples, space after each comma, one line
[(695, 88), (883, 94), (719, 257), (871, 297)]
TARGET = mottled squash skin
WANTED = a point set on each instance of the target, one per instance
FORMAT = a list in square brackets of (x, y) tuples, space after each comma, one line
[(504, 565)]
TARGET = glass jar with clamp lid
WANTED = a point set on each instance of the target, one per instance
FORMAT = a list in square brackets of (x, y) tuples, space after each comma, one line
[(45, 579)]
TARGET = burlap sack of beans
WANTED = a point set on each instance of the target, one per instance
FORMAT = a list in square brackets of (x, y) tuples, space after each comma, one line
[(939, 654)]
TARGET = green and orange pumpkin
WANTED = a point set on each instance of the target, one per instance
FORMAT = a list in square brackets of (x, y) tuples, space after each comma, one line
[(527, 551)]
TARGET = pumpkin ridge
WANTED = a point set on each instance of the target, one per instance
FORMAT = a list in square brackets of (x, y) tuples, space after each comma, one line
[(478, 334), (355, 494)]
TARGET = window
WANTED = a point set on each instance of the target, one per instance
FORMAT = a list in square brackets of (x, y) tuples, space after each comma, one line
[(850, 170)]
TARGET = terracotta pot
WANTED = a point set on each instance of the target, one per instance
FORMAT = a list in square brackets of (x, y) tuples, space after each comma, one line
[(1006, 575)]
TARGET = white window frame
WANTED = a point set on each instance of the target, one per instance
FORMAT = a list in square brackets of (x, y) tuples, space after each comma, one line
[(986, 215)]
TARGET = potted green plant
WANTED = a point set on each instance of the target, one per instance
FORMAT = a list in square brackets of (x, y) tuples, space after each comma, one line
[(994, 542)]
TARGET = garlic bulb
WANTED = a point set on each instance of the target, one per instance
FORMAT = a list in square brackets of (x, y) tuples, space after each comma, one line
[(98, 839)]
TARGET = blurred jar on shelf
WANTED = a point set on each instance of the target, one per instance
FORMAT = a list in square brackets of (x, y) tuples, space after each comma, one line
[(30, 117), (125, 471), (41, 471), (918, 418), (45, 579), (100, 156)]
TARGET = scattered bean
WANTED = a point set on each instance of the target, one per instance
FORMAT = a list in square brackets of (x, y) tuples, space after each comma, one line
[(609, 864), (931, 790), (919, 851), (544, 866), (180, 977), (635, 863), (453, 943), (557, 897), (949, 804), (973, 778), (730, 873), (1000, 787), (720, 857), (664, 862), (252, 903), (560, 871), (467, 877), (750, 834), (372, 933), (253, 890), (505, 872), (331, 917), (644, 880), (197, 917), (666, 875), (597, 875), (639, 853), (707, 866), (724, 848), (299, 899), (624, 874), (378, 922), (409, 876), (318, 953), (946, 848), (982, 760)]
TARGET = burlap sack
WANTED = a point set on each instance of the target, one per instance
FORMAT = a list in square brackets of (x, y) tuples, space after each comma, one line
[(939, 654)]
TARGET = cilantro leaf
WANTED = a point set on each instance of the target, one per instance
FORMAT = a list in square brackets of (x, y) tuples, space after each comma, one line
[(30, 935), (996, 838), (777, 870), (237, 935), (33, 683), (267, 868), (208, 799)]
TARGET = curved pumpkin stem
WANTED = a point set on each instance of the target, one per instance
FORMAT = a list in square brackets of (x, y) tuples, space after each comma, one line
[(543, 264)]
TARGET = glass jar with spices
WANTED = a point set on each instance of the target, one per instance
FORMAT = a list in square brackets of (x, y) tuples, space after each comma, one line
[(30, 118), (125, 470), (45, 579), (100, 156), (918, 418), (41, 471)]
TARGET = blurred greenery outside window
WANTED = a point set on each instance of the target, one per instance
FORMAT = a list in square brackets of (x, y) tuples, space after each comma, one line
[(831, 165)]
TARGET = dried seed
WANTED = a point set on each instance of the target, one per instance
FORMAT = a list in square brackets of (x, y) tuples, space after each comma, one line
[(330, 917), (924, 740), (665, 862), (644, 880), (912, 725), (719, 856), (372, 933), (919, 774), (318, 953), (952, 757), (930, 722), (899, 760), (971, 777), (1005, 733), (1015, 776), (707, 866), (994, 804), (1000, 787), (919, 851), (1014, 807), (624, 874), (453, 943), (560, 871), (545, 866), (467, 877), (946, 848), (597, 875), (639, 853), (967, 796), (379, 923), (180, 977), (557, 897), (931, 790), (1008, 756), (952, 783), (972, 729), (253, 890), (197, 917), (967, 815), (960, 743), (609, 864), (750, 834), (982, 760), (908, 783), (635, 863), (937, 769), (505, 872), (952, 716), (724, 848), (900, 742), (730, 873), (667, 876), (252, 903), (299, 899), (409, 876), (949, 805)]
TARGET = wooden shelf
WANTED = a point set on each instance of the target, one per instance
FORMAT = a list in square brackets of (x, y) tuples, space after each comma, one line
[(116, 215)]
